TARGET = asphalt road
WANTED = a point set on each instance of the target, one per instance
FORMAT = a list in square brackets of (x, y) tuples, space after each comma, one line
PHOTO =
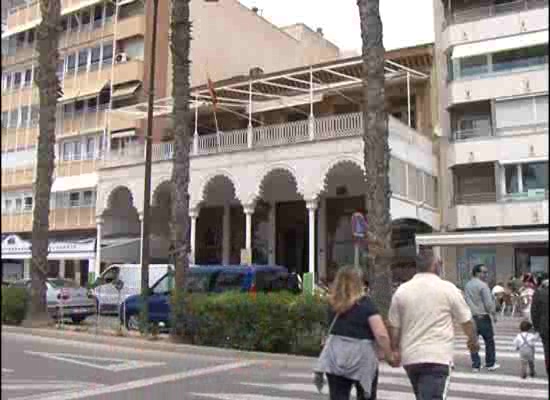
[(45, 368)]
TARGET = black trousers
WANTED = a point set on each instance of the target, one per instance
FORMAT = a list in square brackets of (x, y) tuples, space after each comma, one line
[(340, 388), (545, 339)]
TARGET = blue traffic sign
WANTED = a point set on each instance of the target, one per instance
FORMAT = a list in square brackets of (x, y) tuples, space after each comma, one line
[(358, 225)]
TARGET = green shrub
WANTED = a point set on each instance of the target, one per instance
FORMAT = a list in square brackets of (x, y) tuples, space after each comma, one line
[(274, 322), (14, 305)]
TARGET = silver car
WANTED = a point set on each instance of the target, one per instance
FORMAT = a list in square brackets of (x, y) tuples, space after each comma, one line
[(65, 299)]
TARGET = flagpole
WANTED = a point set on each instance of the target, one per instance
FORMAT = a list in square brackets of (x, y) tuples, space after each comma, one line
[(217, 128)]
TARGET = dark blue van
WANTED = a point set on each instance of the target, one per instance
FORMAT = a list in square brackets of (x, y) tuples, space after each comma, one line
[(208, 279)]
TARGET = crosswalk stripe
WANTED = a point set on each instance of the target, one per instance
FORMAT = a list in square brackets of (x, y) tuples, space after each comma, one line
[(405, 384), (381, 395), (489, 377), (501, 354)]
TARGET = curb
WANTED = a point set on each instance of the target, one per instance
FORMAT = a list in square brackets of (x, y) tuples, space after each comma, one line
[(162, 344)]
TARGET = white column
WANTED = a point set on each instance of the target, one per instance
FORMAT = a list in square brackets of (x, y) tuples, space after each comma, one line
[(322, 258), (312, 208), (196, 133), (77, 270), (311, 120), (437, 254), (250, 132), (91, 264), (61, 273), (193, 215), (99, 226), (27, 268), (272, 238), (248, 211), (226, 244)]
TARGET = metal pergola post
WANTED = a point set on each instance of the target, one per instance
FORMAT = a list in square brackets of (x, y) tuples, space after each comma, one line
[(409, 98)]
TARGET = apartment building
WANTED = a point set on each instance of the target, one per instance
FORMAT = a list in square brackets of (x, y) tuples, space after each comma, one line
[(105, 51), (492, 67), (279, 179)]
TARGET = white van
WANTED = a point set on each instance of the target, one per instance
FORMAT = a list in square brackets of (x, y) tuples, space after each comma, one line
[(130, 274)]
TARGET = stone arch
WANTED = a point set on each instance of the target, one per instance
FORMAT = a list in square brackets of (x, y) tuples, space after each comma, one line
[(117, 190), (334, 165), (159, 189), (207, 181), (262, 178)]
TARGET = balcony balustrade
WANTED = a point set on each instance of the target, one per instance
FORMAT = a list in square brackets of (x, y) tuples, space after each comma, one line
[(478, 13)]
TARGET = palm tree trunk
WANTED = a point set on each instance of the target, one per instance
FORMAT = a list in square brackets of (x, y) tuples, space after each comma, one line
[(180, 46), (376, 154), (49, 90)]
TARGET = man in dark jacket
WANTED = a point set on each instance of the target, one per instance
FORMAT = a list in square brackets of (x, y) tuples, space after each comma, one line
[(539, 316)]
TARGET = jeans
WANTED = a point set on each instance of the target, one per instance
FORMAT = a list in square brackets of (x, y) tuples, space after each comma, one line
[(484, 327), (340, 388), (429, 381)]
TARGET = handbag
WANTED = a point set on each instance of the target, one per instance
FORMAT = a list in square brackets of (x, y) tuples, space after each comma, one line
[(319, 377)]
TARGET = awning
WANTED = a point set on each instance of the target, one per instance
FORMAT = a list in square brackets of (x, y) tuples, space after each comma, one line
[(90, 90), (482, 238), (523, 160), (15, 248), (123, 134), (124, 2), (500, 44), (79, 5), (21, 28), (126, 90), (67, 183)]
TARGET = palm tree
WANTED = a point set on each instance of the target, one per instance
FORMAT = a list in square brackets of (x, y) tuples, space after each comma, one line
[(376, 153), (49, 90), (180, 43)]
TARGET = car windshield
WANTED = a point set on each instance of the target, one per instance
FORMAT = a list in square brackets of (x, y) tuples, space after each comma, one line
[(63, 283), (230, 280)]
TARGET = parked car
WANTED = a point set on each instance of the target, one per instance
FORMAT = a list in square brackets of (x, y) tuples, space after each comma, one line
[(65, 298), (206, 279), (108, 297)]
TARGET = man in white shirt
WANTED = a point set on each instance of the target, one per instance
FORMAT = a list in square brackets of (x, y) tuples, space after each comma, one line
[(422, 315)]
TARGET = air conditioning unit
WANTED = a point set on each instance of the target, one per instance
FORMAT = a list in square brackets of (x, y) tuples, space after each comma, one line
[(121, 58)]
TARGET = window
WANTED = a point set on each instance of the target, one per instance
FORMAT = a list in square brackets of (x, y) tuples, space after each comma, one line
[(229, 280), (90, 148), (67, 151), (71, 63), (28, 77), (111, 275), (109, 11), (74, 199), (14, 118), (25, 113), (77, 150), (20, 40), (473, 66), (198, 282), (18, 205), (534, 176), (5, 116), (8, 82), (35, 115), (165, 285), (59, 72), (104, 98), (30, 37), (511, 179), (414, 177), (87, 198), (8, 203), (82, 60), (74, 23), (68, 109), (85, 18), (397, 177), (98, 15), (64, 24), (520, 58), (95, 58), (27, 203), (16, 80), (521, 112), (79, 106), (92, 104), (107, 53)]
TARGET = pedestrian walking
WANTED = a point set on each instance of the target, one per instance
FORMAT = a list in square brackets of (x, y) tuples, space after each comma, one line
[(422, 316), (482, 304), (526, 295), (539, 317), (498, 293), (524, 343), (349, 357)]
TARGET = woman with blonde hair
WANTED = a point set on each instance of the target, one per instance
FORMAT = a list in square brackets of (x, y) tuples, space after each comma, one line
[(349, 357)]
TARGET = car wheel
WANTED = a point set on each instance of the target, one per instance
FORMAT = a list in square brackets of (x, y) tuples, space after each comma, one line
[(77, 320), (132, 322)]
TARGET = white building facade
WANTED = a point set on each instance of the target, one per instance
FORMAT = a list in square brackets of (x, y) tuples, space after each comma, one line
[(492, 68)]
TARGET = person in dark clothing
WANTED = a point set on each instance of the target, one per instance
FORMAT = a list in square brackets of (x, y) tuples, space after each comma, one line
[(539, 316)]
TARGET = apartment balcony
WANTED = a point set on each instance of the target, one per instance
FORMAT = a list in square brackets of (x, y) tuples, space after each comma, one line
[(520, 211), (86, 82), (13, 178), (81, 123), (21, 55), (490, 145), (76, 167), (76, 218), (16, 138), (497, 85), (23, 95), (94, 34), (130, 27), (128, 71), (493, 21), (285, 134)]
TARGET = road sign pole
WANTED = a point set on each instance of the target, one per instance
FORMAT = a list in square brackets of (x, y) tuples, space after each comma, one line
[(356, 254)]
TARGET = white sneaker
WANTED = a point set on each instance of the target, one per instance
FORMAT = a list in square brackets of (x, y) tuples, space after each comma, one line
[(476, 369), (494, 367)]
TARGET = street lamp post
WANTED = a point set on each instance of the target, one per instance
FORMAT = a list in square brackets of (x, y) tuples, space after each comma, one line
[(145, 253)]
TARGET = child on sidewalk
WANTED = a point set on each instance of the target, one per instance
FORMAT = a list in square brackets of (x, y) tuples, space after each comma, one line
[(525, 345)]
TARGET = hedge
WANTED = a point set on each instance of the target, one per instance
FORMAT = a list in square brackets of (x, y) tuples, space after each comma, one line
[(276, 322), (14, 305)]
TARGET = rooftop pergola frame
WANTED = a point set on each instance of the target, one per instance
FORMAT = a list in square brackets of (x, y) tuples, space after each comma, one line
[(245, 96)]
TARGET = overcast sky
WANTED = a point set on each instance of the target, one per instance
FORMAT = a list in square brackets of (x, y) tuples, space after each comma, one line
[(405, 22)]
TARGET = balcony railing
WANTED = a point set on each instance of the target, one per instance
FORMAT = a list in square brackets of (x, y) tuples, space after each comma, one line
[(523, 129), (475, 198), (477, 13), (332, 127), (537, 194)]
